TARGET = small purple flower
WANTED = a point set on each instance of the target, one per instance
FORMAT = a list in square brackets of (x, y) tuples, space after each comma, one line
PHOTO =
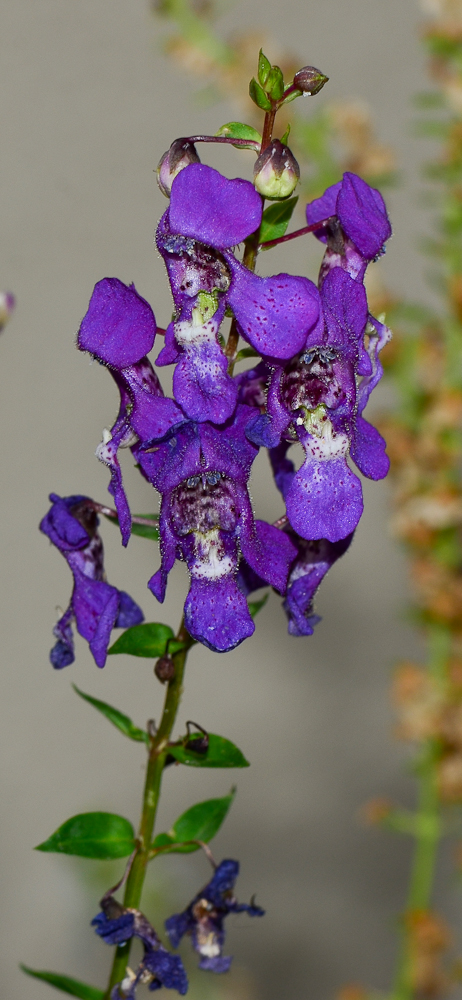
[(203, 919), (316, 399), (358, 225), (206, 519), (119, 330), (96, 607), (208, 215), (116, 925)]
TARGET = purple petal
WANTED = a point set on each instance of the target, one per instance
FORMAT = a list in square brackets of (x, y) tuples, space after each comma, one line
[(344, 305), (220, 963), (168, 463), (368, 450), (115, 931), (107, 453), (228, 448), (95, 606), (170, 353), (129, 613), (216, 613), (313, 562), (323, 208), (62, 654), (62, 528), (167, 968), (283, 468), (324, 499), (363, 215), (119, 327), (268, 554), (168, 545), (152, 414), (274, 314), (210, 208), (202, 386), (177, 926)]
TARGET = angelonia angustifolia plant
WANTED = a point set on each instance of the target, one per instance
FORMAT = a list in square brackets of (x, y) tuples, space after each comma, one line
[(316, 360)]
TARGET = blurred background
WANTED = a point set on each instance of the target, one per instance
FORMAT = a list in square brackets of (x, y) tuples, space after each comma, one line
[(90, 101)]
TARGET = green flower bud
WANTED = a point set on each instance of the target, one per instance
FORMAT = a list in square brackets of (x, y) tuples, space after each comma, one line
[(182, 152), (276, 172)]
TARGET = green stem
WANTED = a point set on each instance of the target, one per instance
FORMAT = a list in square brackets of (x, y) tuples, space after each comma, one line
[(428, 825), (152, 785)]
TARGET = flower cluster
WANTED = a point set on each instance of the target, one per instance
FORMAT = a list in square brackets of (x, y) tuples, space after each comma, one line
[(319, 351), (202, 920)]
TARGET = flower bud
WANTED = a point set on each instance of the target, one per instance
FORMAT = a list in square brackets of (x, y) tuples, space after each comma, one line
[(309, 80), (165, 669), (182, 152), (276, 172)]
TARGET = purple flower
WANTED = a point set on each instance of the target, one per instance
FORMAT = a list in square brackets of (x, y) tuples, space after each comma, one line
[(96, 607), (116, 925), (119, 330), (203, 919), (358, 225), (316, 399), (208, 215), (206, 519)]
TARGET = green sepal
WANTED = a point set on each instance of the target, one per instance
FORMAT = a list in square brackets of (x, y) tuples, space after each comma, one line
[(237, 130), (144, 531), (66, 984), (149, 639), (264, 67), (292, 96), (285, 137), (200, 822), (220, 753), (256, 606), (92, 835), (275, 220), (274, 85), (258, 96), (118, 719)]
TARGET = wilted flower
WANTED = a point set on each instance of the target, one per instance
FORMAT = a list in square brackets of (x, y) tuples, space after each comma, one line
[(96, 607), (203, 919)]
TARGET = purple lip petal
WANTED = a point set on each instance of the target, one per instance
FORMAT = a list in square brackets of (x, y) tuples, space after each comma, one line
[(119, 327), (274, 314), (368, 450), (202, 385), (363, 215), (212, 209), (216, 614), (324, 500), (269, 553)]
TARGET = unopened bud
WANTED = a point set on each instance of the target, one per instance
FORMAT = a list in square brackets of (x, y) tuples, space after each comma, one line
[(182, 152), (310, 80), (165, 669), (276, 172)]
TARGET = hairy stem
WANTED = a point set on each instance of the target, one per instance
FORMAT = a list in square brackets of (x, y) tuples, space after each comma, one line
[(151, 794), (428, 827)]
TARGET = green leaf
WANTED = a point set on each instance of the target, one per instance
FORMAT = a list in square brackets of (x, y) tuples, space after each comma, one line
[(264, 67), (237, 130), (258, 96), (275, 220), (92, 835), (256, 606), (150, 639), (201, 822), (118, 719), (274, 85), (144, 531), (246, 352), (220, 753), (66, 984)]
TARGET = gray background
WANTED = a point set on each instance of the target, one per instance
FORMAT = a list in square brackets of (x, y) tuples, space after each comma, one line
[(89, 104)]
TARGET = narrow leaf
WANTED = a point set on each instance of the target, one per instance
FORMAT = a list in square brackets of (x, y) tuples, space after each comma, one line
[(118, 719), (256, 606), (92, 835), (264, 67), (275, 220), (220, 753), (258, 95), (246, 352), (237, 130), (143, 530), (149, 639), (201, 822), (66, 984)]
